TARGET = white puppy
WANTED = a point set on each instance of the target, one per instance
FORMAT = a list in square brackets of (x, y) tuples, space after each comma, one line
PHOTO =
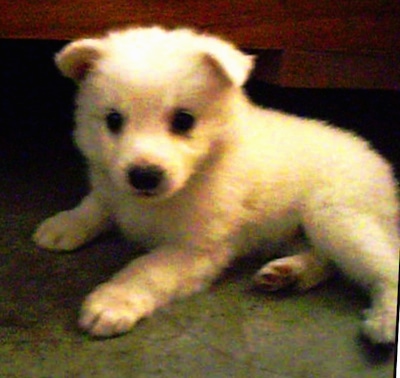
[(180, 159)]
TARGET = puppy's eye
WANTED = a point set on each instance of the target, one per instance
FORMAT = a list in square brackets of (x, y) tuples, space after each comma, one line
[(182, 121), (115, 121)]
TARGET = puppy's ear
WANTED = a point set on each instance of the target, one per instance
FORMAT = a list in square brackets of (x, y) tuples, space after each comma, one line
[(77, 58), (230, 64)]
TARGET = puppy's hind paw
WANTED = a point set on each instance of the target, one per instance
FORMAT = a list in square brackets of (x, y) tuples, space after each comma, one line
[(275, 276), (62, 232), (379, 327)]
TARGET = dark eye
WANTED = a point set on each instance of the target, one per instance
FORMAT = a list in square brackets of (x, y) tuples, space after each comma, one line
[(114, 120), (182, 121)]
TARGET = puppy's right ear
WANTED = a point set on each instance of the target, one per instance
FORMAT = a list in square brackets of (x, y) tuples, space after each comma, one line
[(77, 58)]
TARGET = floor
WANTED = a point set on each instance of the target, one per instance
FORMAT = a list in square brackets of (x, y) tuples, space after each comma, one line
[(228, 331)]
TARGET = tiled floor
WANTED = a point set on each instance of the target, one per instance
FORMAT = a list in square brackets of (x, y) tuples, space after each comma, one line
[(228, 331)]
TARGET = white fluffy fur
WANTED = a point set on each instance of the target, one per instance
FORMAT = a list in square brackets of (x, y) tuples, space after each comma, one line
[(242, 177)]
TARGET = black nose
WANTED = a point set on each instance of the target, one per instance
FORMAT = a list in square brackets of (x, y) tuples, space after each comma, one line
[(145, 177)]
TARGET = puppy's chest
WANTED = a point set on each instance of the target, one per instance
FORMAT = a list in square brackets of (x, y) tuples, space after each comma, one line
[(155, 225), (200, 223)]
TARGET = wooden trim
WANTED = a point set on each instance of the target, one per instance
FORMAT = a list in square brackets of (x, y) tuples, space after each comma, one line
[(319, 69), (264, 24), (307, 43)]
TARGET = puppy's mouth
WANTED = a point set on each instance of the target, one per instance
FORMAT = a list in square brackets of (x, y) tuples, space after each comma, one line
[(148, 182), (146, 193)]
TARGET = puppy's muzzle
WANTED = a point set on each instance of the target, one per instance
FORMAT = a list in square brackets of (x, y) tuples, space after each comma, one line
[(146, 180)]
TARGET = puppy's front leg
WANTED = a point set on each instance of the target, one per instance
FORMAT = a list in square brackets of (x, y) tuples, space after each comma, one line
[(148, 283), (70, 229)]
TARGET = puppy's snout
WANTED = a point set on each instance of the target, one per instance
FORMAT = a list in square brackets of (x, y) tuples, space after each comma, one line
[(145, 178)]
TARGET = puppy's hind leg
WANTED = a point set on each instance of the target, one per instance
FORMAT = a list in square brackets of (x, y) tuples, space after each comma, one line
[(71, 229), (362, 246)]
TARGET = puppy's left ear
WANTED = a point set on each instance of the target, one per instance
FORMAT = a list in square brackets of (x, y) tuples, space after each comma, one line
[(231, 64)]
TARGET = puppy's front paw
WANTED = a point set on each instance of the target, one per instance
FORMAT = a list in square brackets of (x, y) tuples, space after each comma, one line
[(63, 232), (113, 309)]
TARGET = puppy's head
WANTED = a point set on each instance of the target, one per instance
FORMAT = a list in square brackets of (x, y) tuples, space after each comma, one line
[(153, 104)]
